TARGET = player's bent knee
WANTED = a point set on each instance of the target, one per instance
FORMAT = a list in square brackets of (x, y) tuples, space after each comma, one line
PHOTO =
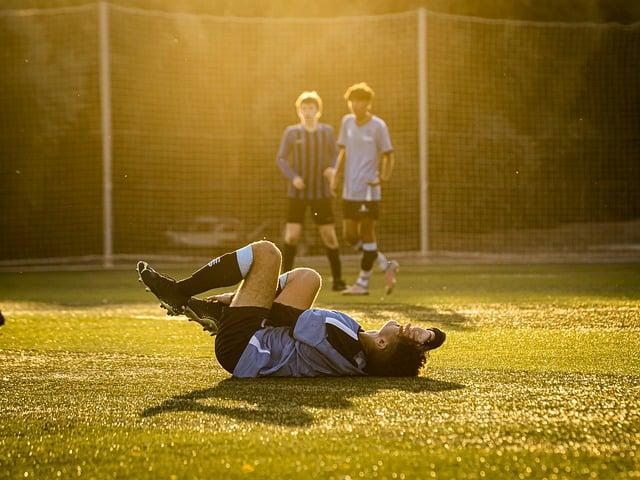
[(266, 251), (313, 277), (305, 275)]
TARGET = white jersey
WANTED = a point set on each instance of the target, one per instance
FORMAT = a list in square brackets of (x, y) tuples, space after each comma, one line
[(363, 146)]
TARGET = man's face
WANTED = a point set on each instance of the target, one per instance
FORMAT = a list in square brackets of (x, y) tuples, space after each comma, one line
[(308, 111), (392, 331), (359, 107)]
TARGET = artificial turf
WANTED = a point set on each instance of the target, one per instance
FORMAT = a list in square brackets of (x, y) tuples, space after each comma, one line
[(539, 378)]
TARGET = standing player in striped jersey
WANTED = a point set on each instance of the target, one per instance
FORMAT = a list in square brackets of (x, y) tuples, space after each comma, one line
[(306, 157), (364, 163)]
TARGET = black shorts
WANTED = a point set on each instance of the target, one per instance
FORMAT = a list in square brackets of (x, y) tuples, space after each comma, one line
[(320, 210), (357, 210), (238, 324)]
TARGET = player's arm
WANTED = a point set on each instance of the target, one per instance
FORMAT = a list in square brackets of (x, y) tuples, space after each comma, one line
[(284, 163), (387, 159), (331, 156), (338, 176), (386, 166)]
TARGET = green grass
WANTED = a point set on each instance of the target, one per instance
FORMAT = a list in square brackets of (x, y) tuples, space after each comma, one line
[(539, 378)]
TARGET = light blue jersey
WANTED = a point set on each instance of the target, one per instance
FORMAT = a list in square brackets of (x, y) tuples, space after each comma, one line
[(323, 343), (363, 144)]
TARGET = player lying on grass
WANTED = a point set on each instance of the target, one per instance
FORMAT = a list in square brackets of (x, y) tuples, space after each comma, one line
[(268, 328)]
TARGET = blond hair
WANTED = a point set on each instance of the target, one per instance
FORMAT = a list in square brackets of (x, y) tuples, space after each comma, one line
[(309, 97)]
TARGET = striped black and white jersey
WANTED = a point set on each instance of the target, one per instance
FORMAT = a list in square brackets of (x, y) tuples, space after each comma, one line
[(307, 154)]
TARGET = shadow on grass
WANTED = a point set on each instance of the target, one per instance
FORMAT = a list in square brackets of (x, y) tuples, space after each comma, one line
[(404, 313), (286, 401)]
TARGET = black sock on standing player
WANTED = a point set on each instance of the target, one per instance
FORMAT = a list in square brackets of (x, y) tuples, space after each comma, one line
[(223, 271), (288, 255), (333, 254), (369, 255)]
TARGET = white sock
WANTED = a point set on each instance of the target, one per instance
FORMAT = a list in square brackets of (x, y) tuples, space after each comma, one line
[(382, 261), (363, 278)]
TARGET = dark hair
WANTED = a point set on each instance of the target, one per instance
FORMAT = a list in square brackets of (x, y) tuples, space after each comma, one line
[(405, 361), (359, 91)]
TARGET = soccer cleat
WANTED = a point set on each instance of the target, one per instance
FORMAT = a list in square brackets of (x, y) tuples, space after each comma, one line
[(390, 276), (205, 312), (211, 309), (163, 287), (355, 289), (338, 286)]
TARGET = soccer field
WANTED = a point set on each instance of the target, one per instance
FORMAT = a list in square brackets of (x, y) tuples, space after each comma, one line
[(539, 378)]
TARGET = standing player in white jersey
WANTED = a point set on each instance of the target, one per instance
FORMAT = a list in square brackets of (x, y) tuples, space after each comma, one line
[(365, 162), (306, 158)]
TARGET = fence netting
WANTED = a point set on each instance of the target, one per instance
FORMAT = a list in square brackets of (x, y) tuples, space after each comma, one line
[(533, 130)]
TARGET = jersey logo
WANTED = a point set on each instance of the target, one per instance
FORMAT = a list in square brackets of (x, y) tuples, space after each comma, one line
[(363, 207)]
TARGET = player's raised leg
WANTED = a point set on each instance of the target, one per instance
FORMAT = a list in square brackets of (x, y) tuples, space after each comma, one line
[(301, 287), (226, 270), (253, 291), (250, 308), (258, 288), (297, 291), (297, 288)]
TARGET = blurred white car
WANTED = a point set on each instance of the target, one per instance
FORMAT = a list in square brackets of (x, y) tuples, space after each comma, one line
[(213, 232)]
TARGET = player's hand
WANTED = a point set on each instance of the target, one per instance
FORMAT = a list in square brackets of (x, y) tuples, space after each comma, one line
[(416, 334), (329, 173), (298, 183), (334, 186), (225, 298), (375, 182)]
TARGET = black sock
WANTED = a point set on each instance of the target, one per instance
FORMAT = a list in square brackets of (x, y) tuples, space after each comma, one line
[(333, 254), (288, 255), (223, 271), (368, 257)]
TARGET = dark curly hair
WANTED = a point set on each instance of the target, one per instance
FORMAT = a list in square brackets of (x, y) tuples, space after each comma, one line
[(405, 361), (359, 91)]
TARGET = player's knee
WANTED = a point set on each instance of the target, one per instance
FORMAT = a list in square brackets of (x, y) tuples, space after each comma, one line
[(266, 251), (351, 238), (310, 277), (329, 237), (331, 242), (368, 238), (291, 238)]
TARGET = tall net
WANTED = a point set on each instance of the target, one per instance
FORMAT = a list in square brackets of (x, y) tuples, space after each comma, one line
[(533, 130), (534, 136), (201, 103), (50, 159)]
